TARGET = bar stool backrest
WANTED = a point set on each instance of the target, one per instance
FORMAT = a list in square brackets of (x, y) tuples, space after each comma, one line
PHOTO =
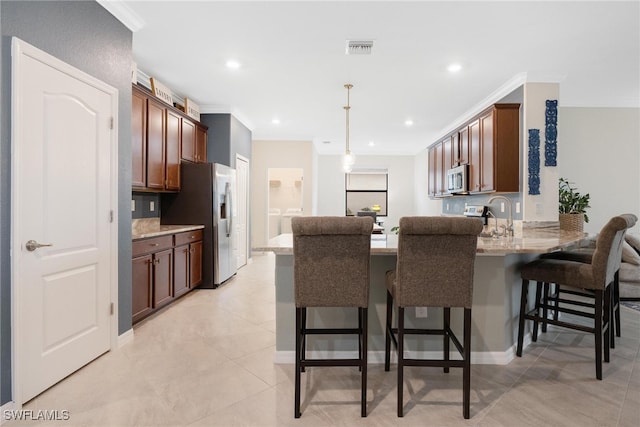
[(436, 257), (331, 261), (608, 252)]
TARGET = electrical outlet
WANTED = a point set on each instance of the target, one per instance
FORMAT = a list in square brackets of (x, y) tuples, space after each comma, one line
[(447, 207), (133, 205), (501, 206), (152, 206), (421, 312), (517, 207)]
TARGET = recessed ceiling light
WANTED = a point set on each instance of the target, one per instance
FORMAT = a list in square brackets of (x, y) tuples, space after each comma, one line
[(275, 121), (454, 68), (233, 64), (408, 122), (371, 143)]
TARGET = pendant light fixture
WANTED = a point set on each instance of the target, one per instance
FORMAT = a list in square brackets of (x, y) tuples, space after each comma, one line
[(349, 158)]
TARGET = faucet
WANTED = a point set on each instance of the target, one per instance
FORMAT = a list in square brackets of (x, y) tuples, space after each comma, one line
[(494, 232), (509, 229)]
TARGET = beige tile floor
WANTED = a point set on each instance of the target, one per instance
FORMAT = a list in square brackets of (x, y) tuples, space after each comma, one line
[(207, 361)]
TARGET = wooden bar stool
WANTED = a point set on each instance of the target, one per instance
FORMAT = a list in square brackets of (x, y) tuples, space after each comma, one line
[(436, 257), (331, 269), (597, 277)]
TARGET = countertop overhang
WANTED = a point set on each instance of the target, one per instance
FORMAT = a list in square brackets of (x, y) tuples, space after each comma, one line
[(151, 227), (531, 241)]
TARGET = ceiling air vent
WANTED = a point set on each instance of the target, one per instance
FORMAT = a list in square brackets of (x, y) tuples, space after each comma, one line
[(359, 47)]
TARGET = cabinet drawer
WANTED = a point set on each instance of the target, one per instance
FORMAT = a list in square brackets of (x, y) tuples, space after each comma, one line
[(188, 237), (154, 244)]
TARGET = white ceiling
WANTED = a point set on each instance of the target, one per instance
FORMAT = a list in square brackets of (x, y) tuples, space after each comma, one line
[(294, 64)]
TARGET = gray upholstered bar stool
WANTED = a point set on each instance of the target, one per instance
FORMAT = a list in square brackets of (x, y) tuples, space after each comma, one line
[(597, 276), (331, 269), (435, 263)]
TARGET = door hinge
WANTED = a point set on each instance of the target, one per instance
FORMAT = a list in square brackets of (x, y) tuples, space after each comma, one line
[(111, 216), (111, 123), (112, 309)]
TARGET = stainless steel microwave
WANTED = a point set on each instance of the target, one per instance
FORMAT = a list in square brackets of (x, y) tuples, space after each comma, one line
[(457, 180)]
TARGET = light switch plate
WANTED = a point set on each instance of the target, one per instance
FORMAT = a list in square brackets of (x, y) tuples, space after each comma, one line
[(152, 206), (133, 205)]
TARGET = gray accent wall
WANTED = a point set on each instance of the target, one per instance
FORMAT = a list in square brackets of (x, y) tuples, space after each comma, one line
[(226, 137), (85, 35)]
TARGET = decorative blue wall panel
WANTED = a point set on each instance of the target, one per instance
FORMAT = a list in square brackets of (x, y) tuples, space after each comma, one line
[(551, 133), (534, 161)]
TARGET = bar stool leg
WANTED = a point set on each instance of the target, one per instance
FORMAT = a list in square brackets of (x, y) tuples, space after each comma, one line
[(387, 341), (447, 327), (598, 333), (523, 310), (616, 303), (608, 336), (400, 358), (363, 359), (299, 340), (466, 373), (534, 334), (545, 311)]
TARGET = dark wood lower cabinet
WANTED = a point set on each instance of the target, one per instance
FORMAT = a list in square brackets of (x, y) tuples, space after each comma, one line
[(142, 287), (181, 270), (164, 268), (195, 264), (162, 278)]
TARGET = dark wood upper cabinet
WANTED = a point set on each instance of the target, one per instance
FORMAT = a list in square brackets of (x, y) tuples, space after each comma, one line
[(201, 145), (489, 144), (172, 161), (138, 139), (155, 145), (162, 136), (188, 140)]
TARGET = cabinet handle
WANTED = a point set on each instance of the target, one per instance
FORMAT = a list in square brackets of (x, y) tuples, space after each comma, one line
[(154, 244)]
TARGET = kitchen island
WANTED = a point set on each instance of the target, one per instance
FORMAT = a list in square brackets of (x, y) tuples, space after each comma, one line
[(496, 297)]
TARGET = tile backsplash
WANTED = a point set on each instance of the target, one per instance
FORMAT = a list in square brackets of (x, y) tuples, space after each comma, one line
[(145, 205)]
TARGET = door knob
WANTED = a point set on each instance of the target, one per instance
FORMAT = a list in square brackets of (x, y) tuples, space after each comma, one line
[(32, 245)]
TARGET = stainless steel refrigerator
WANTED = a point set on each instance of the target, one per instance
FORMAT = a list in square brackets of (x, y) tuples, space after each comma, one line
[(207, 197)]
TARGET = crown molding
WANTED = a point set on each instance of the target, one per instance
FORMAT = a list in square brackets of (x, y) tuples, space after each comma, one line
[(124, 14)]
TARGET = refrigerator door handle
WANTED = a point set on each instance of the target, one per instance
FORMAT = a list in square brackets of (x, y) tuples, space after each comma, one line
[(227, 204)]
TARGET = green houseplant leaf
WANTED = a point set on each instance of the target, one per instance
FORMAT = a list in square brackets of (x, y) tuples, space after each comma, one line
[(570, 201)]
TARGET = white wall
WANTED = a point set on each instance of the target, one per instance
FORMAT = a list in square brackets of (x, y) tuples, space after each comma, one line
[(544, 206), (276, 154), (599, 150), (401, 190)]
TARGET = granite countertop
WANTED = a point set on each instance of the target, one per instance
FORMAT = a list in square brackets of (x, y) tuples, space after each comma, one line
[(151, 227), (534, 241)]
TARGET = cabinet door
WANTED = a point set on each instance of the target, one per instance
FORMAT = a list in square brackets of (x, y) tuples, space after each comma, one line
[(474, 156), (463, 143), (440, 173), (155, 145), (141, 288), (432, 171), (447, 155), (172, 161), (195, 264), (201, 145), (188, 140), (455, 147), (162, 277), (181, 270), (138, 139), (486, 153)]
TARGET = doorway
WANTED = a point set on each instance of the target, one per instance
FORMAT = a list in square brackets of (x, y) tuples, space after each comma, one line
[(284, 199), (242, 230)]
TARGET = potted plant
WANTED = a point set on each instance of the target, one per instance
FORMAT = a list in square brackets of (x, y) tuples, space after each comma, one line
[(572, 207)]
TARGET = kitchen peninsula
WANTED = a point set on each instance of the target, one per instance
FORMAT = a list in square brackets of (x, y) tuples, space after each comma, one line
[(495, 307)]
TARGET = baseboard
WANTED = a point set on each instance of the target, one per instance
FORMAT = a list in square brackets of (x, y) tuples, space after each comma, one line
[(125, 338), (377, 357)]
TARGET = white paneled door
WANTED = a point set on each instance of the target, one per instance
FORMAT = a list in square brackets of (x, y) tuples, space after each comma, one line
[(63, 204), (242, 184)]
